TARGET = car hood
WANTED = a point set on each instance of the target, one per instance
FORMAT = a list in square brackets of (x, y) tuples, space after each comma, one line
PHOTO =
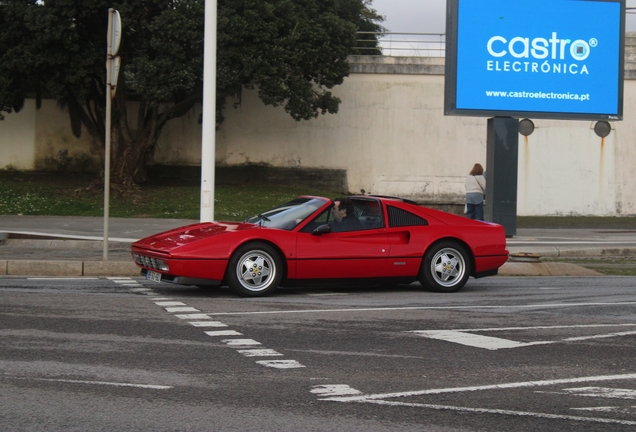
[(168, 241)]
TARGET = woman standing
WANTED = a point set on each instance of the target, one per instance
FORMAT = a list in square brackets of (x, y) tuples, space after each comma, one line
[(475, 193)]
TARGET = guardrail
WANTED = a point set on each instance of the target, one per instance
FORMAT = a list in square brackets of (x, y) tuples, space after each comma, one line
[(402, 44)]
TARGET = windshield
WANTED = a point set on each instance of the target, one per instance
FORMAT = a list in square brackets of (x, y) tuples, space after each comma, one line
[(288, 215)]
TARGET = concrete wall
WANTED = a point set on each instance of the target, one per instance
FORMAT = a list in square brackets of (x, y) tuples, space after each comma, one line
[(391, 137), (17, 138)]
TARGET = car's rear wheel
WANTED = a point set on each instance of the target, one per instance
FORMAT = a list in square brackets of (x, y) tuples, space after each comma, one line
[(445, 268), (255, 269)]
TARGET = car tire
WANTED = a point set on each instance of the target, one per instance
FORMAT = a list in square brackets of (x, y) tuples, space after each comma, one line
[(445, 268), (255, 269)]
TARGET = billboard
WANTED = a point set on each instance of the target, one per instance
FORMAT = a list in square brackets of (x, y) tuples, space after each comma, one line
[(558, 59)]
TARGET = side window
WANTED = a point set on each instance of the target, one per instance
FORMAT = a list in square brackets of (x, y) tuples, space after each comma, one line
[(322, 219), (366, 215), (369, 213), (400, 218)]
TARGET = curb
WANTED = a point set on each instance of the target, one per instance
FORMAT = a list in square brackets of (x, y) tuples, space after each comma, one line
[(572, 251), (68, 268), (544, 269)]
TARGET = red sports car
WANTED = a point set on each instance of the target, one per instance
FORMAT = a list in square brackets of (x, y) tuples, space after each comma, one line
[(314, 240)]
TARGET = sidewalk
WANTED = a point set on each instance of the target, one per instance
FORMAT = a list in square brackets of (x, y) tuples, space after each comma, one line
[(73, 246)]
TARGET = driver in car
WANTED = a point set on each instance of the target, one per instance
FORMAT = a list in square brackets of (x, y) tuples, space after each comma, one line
[(344, 217)]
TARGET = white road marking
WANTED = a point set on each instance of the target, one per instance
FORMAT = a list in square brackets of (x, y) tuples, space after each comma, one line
[(240, 342), (469, 339), (182, 309), (338, 393), (160, 298), (207, 324), (148, 386), (604, 392), (468, 307), (140, 289), (193, 316), (463, 336), (280, 364), (502, 386), (504, 412), (620, 410), (259, 353), (170, 303), (334, 390), (544, 327), (223, 333)]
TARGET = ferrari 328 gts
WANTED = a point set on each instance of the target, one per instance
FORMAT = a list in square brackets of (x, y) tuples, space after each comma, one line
[(298, 243)]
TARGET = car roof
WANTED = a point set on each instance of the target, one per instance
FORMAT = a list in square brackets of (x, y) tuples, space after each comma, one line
[(386, 197)]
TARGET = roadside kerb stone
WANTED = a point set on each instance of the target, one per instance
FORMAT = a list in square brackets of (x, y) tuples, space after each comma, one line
[(544, 269), (111, 268), (572, 251), (44, 268), (69, 268)]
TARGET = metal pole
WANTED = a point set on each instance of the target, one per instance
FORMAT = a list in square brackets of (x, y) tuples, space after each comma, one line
[(208, 143), (109, 64)]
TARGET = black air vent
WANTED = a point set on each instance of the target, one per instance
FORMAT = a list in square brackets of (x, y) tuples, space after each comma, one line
[(400, 218)]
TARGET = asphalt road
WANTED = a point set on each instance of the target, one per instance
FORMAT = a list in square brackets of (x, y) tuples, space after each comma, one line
[(504, 354)]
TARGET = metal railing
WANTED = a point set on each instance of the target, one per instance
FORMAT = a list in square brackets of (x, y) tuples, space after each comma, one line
[(402, 44)]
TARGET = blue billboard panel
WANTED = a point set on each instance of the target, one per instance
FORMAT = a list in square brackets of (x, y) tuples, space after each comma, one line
[(535, 58)]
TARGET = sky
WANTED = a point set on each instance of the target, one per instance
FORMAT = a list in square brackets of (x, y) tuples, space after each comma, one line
[(429, 16)]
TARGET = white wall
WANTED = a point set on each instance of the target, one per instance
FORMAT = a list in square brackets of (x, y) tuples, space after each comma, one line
[(391, 136), (17, 138)]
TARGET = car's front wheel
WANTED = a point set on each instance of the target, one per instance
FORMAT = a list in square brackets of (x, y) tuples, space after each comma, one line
[(445, 268), (255, 269)]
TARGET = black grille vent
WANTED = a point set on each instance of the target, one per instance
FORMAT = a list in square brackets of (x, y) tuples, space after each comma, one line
[(400, 218), (145, 261)]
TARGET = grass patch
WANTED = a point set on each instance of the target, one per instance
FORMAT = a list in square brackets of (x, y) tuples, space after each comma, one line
[(76, 194), (65, 194)]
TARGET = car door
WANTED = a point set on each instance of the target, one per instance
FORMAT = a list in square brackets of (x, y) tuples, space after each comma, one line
[(357, 254), (407, 236)]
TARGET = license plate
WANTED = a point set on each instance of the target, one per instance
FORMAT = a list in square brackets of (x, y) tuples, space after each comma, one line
[(153, 276)]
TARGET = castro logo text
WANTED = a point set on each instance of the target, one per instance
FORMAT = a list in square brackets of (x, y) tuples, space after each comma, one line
[(558, 55)]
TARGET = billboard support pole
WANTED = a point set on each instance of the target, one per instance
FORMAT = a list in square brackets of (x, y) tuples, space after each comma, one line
[(502, 155)]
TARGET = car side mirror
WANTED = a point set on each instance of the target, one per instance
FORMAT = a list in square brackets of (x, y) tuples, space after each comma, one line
[(322, 229)]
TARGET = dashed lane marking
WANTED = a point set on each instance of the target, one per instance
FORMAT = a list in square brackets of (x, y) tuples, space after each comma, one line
[(205, 321), (335, 390), (280, 364), (181, 309), (193, 316), (207, 324), (260, 353), (223, 333), (240, 342)]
